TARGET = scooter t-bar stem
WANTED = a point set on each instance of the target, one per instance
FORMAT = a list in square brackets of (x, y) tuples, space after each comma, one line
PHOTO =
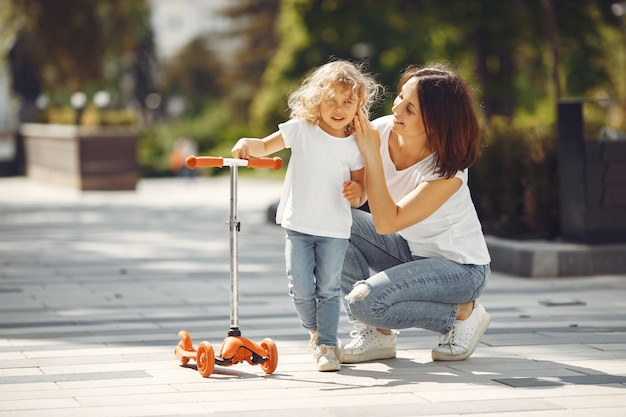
[(193, 162)]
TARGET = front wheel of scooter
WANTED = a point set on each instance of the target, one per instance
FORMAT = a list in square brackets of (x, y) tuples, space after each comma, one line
[(272, 353), (205, 358)]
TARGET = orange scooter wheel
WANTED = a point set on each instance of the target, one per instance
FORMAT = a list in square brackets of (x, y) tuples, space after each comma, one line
[(272, 353), (205, 359)]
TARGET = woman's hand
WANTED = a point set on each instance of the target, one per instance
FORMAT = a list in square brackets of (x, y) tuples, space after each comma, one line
[(367, 137)]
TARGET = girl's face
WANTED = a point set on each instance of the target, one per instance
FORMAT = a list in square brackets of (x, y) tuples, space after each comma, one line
[(337, 110), (407, 119)]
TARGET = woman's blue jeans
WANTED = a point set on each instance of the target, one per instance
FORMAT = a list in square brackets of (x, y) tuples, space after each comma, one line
[(404, 291), (314, 272)]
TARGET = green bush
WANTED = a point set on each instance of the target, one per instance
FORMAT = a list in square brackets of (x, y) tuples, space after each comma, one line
[(91, 116), (514, 182)]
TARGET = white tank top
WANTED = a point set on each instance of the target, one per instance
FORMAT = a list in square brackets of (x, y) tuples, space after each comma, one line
[(453, 231)]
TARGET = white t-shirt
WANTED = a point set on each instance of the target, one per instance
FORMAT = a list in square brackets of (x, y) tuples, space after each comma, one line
[(453, 231), (320, 163)]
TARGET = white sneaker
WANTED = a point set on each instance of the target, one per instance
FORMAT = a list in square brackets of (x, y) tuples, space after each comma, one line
[(326, 359), (338, 350), (460, 342), (369, 344)]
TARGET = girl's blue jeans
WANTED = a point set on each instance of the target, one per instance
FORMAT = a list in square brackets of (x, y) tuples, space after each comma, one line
[(314, 273), (404, 291)]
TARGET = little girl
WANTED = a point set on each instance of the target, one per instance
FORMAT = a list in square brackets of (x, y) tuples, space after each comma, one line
[(324, 179)]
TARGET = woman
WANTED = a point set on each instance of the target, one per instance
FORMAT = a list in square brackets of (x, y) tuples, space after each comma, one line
[(423, 238)]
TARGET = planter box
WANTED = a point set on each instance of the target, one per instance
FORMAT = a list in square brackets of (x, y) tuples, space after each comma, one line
[(83, 157)]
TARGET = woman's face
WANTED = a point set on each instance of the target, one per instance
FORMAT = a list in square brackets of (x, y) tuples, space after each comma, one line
[(407, 119), (337, 110)]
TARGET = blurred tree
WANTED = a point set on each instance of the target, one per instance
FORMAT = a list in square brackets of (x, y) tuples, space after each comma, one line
[(507, 48), (76, 44), (585, 29), (26, 78), (269, 102), (203, 75), (253, 26), (196, 73)]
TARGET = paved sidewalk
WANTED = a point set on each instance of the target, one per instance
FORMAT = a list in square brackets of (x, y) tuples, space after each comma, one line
[(95, 286)]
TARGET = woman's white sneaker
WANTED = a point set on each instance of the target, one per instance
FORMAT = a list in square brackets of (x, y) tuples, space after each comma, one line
[(460, 342), (369, 344)]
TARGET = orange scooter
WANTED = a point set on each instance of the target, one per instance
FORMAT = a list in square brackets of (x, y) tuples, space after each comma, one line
[(235, 348)]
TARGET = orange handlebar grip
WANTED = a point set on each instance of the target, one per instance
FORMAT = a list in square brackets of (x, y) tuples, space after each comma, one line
[(273, 163), (194, 162)]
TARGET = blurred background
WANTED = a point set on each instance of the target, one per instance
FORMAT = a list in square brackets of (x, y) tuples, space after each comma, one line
[(207, 72)]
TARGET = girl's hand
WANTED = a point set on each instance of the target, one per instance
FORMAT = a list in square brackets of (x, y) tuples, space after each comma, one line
[(367, 137), (241, 149), (352, 190)]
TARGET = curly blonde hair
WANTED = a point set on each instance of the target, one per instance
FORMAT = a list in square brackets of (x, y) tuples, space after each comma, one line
[(305, 101)]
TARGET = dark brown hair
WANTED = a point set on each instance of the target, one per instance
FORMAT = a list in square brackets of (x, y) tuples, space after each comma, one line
[(449, 112)]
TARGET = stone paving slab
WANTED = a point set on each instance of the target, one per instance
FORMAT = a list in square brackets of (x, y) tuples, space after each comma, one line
[(94, 287)]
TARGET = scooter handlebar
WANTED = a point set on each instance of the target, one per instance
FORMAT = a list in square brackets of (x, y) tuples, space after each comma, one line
[(193, 162), (272, 163)]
